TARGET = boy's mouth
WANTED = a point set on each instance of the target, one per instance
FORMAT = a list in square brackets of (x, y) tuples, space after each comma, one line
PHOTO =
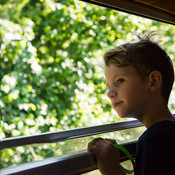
[(114, 105)]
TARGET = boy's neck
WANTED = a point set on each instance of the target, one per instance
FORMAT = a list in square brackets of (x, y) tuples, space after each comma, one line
[(156, 113), (166, 115)]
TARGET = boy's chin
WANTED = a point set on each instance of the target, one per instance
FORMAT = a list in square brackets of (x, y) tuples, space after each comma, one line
[(127, 116)]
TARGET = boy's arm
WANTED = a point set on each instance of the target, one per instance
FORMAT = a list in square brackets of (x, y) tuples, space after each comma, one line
[(107, 156)]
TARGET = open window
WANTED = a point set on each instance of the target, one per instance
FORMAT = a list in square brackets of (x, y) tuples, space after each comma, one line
[(53, 92)]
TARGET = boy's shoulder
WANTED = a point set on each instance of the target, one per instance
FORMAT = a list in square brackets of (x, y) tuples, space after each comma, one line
[(164, 130), (155, 149)]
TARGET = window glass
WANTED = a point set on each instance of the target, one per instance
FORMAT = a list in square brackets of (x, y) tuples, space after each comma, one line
[(23, 154)]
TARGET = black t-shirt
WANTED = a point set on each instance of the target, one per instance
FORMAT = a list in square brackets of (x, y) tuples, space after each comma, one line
[(155, 153)]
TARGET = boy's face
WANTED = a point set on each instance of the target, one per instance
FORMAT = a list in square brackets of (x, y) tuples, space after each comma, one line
[(128, 93)]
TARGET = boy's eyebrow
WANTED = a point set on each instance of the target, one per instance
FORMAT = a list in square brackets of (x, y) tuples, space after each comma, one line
[(118, 76)]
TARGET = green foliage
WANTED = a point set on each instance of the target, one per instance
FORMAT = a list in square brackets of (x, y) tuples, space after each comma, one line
[(51, 78)]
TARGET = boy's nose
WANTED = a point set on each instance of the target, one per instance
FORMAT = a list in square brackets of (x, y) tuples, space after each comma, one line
[(111, 93)]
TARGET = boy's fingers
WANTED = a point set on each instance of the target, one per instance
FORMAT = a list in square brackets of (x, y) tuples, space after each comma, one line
[(93, 143)]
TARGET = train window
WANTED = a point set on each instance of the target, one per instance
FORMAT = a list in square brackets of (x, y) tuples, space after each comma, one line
[(52, 72)]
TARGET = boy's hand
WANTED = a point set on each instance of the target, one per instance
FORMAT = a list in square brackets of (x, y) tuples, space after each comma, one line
[(107, 156)]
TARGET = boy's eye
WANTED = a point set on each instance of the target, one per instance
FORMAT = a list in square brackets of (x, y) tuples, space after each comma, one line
[(120, 81)]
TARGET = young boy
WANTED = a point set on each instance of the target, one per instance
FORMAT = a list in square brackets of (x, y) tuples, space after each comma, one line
[(139, 78)]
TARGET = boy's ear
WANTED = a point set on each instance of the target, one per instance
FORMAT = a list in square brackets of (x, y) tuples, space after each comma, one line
[(155, 80)]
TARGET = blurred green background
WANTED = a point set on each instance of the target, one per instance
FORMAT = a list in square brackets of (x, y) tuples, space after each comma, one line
[(52, 70)]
